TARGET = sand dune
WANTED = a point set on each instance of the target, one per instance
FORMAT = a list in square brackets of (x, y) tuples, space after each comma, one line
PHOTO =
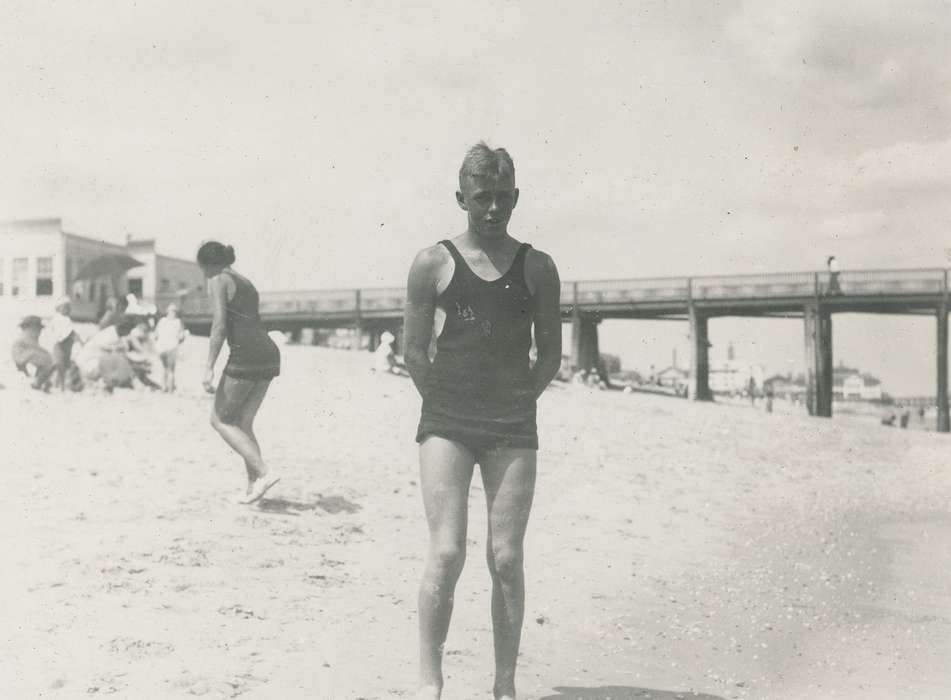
[(676, 550)]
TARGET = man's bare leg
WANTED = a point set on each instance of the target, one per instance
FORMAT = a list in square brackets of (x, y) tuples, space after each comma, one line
[(508, 476), (445, 474)]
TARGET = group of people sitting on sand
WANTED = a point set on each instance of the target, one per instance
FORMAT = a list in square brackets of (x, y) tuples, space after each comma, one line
[(590, 378), (119, 351)]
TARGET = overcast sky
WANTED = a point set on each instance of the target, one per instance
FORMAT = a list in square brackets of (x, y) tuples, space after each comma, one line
[(650, 138)]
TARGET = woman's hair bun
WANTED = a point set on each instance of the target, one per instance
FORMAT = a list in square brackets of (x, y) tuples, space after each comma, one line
[(215, 254)]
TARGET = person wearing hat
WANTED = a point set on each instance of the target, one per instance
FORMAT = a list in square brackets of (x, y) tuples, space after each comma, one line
[(26, 351), (61, 334), (169, 335)]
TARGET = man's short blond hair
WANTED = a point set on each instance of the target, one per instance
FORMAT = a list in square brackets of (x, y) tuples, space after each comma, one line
[(482, 160)]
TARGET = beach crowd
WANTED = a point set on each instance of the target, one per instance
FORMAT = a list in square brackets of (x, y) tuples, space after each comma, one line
[(130, 341)]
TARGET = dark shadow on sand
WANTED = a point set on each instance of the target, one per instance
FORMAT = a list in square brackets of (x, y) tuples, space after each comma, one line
[(328, 504), (625, 692)]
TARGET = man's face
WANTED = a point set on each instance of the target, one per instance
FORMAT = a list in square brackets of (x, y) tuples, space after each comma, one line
[(489, 200)]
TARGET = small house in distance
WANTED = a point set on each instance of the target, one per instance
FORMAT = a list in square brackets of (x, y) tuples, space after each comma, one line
[(851, 384), (676, 378), (733, 375), (848, 384), (786, 386), (40, 262)]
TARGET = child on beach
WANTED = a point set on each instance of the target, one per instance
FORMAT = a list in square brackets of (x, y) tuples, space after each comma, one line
[(61, 334), (138, 348), (384, 357), (484, 292), (253, 362), (169, 334)]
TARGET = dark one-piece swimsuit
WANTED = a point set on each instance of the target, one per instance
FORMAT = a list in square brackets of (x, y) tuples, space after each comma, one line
[(253, 355), (479, 389)]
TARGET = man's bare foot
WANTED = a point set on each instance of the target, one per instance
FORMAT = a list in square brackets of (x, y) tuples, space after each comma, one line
[(260, 487), (428, 692)]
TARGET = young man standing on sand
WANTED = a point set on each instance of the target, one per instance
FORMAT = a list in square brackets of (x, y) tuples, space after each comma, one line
[(482, 294)]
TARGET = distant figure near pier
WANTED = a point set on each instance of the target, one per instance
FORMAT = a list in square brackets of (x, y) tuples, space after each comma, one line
[(484, 292), (833, 265), (254, 361)]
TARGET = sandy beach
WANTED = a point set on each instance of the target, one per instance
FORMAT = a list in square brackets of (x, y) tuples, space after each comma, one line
[(676, 550)]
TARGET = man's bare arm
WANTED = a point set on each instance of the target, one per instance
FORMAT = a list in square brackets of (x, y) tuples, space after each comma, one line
[(418, 315), (543, 273)]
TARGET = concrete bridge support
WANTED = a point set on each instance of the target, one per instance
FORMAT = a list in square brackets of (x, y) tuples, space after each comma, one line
[(585, 352), (699, 357), (943, 423), (818, 336)]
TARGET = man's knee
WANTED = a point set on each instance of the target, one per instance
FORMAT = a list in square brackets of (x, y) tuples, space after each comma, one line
[(448, 559), (505, 560)]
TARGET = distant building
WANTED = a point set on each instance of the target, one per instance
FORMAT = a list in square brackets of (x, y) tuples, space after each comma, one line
[(39, 262), (674, 377), (733, 377), (850, 384), (162, 276), (787, 387)]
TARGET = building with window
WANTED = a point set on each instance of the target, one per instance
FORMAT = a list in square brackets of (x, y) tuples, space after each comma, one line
[(674, 377), (851, 384), (40, 262), (733, 375)]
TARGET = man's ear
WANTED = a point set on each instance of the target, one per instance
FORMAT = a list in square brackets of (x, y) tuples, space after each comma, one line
[(461, 201), (515, 200)]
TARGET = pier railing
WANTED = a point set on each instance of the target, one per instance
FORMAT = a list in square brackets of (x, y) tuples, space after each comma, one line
[(724, 288)]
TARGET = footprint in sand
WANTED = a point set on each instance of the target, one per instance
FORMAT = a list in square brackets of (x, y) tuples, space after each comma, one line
[(139, 648), (179, 556), (239, 611), (325, 581), (270, 564)]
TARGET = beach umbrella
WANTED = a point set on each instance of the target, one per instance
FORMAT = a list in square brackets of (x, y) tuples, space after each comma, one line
[(107, 266)]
